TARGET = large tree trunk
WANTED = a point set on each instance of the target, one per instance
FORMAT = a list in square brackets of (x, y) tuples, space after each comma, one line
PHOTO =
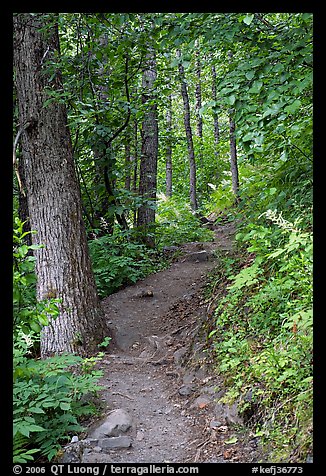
[(168, 156), (191, 153), (149, 152), (63, 266)]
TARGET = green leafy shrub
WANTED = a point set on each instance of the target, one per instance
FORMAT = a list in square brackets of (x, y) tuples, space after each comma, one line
[(29, 314), (118, 261), (283, 183), (221, 197), (176, 224), (47, 399), (47, 394), (263, 335)]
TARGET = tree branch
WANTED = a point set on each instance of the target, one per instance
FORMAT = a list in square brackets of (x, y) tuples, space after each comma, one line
[(25, 126), (263, 20), (307, 157), (138, 67)]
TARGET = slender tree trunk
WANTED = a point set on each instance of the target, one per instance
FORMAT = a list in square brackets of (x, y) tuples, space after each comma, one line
[(199, 128), (135, 168), (63, 266), (128, 162), (168, 157), (191, 153), (81, 180), (215, 115), (103, 221), (23, 211), (104, 155), (233, 149), (233, 157), (149, 152)]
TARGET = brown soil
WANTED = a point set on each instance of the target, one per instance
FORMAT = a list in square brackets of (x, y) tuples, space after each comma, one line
[(157, 368)]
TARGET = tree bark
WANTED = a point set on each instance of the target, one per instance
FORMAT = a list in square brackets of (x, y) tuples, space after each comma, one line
[(149, 151), (63, 266), (233, 157), (191, 153), (168, 157)]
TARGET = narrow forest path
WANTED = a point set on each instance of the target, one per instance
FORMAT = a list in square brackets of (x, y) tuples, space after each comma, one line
[(155, 369)]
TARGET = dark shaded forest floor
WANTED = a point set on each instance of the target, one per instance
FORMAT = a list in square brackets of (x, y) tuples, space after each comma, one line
[(158, 371)]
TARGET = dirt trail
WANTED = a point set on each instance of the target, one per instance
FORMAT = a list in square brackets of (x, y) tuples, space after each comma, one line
[(173, 405)]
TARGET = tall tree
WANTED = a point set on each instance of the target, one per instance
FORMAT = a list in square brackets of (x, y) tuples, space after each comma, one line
[(187, 123), (168, 156), (63, 266), (103, 149), (135, 168), (149, 150), (134, 178), (128, 161), (215, 115), (233, 157), (233, 148), (198, 93), (104, 223)]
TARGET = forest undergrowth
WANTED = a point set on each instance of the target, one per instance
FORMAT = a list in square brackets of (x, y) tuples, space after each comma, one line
[(151, 129), (260, 333), (49, 396), (261, 322)]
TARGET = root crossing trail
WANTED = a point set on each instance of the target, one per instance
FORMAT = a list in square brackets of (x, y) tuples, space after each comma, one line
[(156, 327)]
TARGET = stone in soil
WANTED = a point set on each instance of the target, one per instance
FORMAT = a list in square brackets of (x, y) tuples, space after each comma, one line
[(114, 442), (118, 421)]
